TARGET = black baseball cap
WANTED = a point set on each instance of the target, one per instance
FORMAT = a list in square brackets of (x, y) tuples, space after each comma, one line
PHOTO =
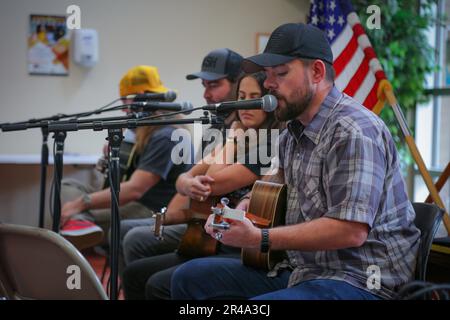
[(219, 64), (290, 41)]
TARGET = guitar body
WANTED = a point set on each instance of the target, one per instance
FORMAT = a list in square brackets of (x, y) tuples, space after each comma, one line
[(196, 242), (268, 201)]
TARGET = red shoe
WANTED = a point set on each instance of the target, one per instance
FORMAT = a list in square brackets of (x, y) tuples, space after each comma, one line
[(82, 233)]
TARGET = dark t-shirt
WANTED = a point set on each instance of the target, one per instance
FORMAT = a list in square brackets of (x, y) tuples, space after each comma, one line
[(156, 159), (255, 159), (258, 167), (258, 158), (223, 125)]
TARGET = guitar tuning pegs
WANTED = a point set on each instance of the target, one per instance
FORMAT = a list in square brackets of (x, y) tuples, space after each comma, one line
[(158, 227), (217, 211), (225, 201)]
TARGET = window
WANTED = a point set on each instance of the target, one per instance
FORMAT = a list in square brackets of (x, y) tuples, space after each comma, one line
[(433, 118)]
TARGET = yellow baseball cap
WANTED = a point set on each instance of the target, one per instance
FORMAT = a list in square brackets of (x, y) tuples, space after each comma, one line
[(140, 79)]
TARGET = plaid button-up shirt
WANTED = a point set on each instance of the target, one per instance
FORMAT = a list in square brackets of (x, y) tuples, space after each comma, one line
[(344, 165)]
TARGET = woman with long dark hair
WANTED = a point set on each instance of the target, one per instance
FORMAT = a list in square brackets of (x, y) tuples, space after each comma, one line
[(151, 262)]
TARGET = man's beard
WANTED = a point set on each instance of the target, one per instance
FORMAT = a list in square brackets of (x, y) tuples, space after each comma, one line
[(292, 110)]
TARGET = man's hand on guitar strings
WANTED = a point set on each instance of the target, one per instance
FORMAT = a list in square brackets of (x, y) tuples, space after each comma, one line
[(242, 234)]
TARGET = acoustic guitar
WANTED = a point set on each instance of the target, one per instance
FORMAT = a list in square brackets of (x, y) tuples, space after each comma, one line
[(268, 200), (195, 241), (127, 163)]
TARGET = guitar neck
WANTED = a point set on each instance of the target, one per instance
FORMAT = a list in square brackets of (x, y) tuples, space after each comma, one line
[(258, 221)]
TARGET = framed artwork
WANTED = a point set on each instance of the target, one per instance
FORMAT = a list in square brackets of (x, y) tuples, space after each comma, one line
[(261, 41), (48, 45)]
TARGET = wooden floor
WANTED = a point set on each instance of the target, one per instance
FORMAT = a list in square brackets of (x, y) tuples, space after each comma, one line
[(97, 261)]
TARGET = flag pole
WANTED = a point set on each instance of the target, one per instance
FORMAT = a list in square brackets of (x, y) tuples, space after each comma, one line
[(386, 89), (384, 92), (440, 182)]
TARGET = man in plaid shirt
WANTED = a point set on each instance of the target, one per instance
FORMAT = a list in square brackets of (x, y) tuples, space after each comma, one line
[(349, 230)]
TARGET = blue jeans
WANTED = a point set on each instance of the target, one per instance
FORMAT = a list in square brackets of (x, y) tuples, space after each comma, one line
[(227, 278)]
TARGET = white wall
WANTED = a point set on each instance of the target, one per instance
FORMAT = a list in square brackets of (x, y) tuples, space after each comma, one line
[(173, 35)]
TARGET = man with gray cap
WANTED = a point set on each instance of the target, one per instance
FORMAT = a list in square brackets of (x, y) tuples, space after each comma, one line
[(219, 74), (349, 230)]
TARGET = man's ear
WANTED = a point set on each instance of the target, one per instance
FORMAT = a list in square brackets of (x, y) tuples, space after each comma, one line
[(318, 71)]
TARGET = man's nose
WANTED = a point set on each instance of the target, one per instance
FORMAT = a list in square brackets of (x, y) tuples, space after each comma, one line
[(269, 83), (207, 94)]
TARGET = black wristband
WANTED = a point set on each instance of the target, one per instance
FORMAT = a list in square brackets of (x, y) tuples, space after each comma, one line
[(265, 243)]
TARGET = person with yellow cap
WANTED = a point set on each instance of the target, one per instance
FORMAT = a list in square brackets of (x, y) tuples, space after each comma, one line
[(141, 79), (85, 215), (219, 75)]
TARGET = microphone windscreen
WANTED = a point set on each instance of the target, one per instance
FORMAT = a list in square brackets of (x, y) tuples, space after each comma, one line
[(187, 107), (269, 103), (170, 96)]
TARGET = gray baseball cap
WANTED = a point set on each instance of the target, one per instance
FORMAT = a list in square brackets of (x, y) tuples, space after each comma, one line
[(288, 42), (219, 64)]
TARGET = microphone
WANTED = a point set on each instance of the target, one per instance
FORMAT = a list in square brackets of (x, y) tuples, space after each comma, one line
[(170, 106), (169, 96), (268, 103)]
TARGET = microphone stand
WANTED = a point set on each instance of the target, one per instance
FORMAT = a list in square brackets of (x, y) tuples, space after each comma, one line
[(114, 140), (57, 117), (43, 124), (44, 165), (59, 137)]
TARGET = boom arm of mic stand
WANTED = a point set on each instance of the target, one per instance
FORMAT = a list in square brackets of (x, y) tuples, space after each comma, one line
[(114, 138), (130, 124), (23, 125)]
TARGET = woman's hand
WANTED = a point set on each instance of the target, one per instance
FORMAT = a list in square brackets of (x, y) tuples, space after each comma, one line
[(198, 187)]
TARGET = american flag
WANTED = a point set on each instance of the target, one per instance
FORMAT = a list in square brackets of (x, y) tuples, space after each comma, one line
[(358, 71)]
